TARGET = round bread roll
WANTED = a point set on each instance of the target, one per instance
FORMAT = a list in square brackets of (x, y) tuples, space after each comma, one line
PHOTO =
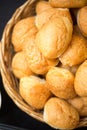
[(43, 18), (77, 50), (42, 6), (20, 66), (60, 114), (68, 3), (61, 82), (54, 37), (80, 82), (80, 103), (49, 14), (36, 61), (82, 20), (23, 29), (34, 91)]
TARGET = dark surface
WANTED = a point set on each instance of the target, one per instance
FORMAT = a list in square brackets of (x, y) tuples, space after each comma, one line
[(10, 114)]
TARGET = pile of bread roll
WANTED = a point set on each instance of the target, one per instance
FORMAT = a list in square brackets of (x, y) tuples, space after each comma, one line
[(50, 61)]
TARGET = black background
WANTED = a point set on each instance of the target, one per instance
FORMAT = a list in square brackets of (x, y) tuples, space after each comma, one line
[(10, 114)]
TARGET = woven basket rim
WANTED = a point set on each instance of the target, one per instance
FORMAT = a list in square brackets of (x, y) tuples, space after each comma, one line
[(12, 93)]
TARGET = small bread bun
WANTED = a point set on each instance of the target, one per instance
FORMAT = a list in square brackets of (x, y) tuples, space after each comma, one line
[(42, 6), (51, 14), (43, 18), (36, 61), (33, 91), (60, 114), (80, 103), (23, 29), (61, 82), (82, 20), (68, 3), (20, 66), (54, 37), (77, 50), (80, 82)]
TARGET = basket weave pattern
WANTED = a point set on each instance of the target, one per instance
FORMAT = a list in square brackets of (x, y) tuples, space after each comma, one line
[(6, 53)]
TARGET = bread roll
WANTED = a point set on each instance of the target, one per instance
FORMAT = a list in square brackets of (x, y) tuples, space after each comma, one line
[(80, 82), (82, 20), (77, 50), (80, 103), (43, 18), (68, 3), (54, 37), (23, 29), (42, 6), (20, 66), (59, 114), (51, 13), (33, 91), (61, 82), (35, 59)]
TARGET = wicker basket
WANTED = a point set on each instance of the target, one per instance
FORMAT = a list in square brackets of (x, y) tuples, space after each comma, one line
[(9, 81)]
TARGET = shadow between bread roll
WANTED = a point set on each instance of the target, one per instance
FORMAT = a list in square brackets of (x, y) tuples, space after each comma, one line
[(72, 69)]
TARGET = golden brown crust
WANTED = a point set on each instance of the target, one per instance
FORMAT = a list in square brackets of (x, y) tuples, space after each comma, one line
[(42, 6), (80, 82), (60, 115), (80, 103), (43, 18), (50, 14), (54, 37), (77, 50), (36, 61), (68, 3), (23, 29), (33, 91), (20, 66), (61, 82), (82, 20)]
